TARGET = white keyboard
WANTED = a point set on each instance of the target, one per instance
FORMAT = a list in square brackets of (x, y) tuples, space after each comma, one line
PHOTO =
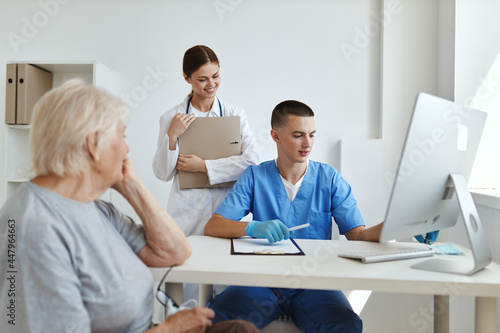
[(389, 254)]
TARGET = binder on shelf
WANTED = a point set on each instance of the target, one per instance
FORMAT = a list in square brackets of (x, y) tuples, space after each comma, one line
[(32, 83), (209, 138), (11, 94), (25, 85)]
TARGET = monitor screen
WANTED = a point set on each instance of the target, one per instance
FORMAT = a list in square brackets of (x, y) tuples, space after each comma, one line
[(441, 141)]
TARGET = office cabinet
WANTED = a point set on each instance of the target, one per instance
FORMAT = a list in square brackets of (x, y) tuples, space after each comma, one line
[(17, 155)]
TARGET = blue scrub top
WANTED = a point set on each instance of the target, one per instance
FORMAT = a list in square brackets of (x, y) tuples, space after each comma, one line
[(323, 194)]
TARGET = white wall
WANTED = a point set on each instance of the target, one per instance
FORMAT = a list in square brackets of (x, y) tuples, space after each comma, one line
[(408, 66), (269, 51), (477, 78)]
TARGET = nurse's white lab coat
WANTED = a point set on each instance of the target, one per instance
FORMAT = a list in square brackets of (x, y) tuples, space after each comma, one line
[(192, 208)]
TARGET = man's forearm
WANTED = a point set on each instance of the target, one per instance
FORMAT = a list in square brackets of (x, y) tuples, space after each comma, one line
[(218, 226), (372, 234)]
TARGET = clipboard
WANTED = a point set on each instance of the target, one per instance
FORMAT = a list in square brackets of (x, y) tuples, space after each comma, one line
[(209, 138), (261, 246)]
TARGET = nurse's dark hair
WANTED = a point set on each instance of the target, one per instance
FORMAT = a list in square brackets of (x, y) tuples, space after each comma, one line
[(196, 57), (284, 109)]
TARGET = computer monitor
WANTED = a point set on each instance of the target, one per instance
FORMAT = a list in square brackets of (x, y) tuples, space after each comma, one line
[(430, 186)]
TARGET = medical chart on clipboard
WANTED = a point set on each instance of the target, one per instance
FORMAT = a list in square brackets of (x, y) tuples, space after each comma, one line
[(261, 246)]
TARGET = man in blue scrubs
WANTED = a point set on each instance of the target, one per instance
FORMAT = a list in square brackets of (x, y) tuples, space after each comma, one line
[(280, 194)]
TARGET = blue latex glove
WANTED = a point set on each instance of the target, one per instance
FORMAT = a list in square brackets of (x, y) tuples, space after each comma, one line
[(273, 230), (430, 237)]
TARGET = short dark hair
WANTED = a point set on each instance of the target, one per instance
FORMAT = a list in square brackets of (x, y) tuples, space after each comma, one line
[(286, 108), (196, 57)]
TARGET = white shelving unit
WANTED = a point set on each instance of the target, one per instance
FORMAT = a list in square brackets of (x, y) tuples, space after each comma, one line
[(18, 156), (18, 166)]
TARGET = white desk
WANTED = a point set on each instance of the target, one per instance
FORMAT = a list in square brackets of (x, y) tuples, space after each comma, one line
[(321, 268)]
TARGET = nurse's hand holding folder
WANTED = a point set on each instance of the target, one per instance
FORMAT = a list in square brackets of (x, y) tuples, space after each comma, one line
[(189, 163), (180, 123)]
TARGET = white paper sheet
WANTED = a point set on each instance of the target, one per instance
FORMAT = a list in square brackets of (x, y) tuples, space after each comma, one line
[(252, 245)]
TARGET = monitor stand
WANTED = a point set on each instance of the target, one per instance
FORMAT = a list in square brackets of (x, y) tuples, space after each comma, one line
[(479, 244)]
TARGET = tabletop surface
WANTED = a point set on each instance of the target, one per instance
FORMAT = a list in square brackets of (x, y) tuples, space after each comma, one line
[(321, 268)]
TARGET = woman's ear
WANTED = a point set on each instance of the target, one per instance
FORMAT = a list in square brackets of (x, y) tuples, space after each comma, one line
[(93, 144), (188, 80)]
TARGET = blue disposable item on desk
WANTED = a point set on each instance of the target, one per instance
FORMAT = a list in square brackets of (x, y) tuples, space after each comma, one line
[(449, 248)]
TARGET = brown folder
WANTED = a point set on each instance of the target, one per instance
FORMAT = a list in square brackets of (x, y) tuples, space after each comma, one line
[(209, 138), (11, 94), (32, 83)]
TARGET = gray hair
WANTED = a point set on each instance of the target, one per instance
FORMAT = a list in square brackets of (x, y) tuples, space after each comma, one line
[(62, 120)]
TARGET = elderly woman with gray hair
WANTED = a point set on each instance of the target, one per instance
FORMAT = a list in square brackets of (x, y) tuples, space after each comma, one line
[(75, 263)]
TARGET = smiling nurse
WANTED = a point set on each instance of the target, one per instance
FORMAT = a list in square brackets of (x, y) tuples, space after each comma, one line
[(192, 208)]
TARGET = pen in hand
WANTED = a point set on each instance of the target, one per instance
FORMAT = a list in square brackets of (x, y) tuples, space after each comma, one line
[(305, 225)]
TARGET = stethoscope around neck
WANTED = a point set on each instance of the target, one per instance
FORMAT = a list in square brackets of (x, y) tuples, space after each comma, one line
[(189, 103)]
